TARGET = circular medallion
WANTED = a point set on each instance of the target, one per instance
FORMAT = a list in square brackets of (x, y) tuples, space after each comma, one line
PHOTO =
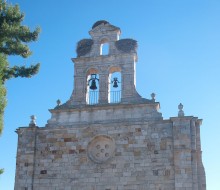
[(101, 148)]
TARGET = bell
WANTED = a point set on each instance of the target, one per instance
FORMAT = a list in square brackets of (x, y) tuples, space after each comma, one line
[(93, 85), (115, 84)]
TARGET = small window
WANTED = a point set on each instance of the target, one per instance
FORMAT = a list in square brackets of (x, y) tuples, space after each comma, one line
[(104, 49)]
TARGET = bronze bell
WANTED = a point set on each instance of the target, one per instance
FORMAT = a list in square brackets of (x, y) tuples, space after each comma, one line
[(93, 85), (93, 79), (115, 82)]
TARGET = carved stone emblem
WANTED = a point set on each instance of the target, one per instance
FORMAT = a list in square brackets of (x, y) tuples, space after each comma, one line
[(101, 148)]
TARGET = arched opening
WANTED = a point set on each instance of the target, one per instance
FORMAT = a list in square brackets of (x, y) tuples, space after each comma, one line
[(104, 47), (92, 94), (114, 94)]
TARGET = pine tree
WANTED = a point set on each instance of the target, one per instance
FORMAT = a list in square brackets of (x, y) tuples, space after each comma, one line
[(13, 41), (3, 64)]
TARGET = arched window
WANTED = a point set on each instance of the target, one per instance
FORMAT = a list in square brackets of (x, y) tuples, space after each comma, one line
[(114, 94), (92, 94)]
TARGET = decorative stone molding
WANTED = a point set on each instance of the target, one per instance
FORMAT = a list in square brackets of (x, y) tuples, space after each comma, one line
[(101, 149)]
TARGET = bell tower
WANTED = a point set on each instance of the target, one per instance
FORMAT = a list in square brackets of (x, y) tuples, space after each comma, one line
[(93, 68), (106, 136)]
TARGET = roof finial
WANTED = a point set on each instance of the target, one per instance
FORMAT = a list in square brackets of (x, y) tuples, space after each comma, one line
[(181, 112), (153, 95), (33, 120), (58, 102)]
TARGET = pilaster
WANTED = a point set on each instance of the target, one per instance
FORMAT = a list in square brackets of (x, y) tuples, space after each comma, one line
[(182, 153), (194, 154), (25, 162), (201, 170), (103, 85)]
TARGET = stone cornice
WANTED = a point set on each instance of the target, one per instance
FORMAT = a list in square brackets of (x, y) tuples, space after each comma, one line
[(105, 58), (103, 107)]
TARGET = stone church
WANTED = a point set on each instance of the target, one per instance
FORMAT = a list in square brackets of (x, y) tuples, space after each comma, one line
[(106, 136)]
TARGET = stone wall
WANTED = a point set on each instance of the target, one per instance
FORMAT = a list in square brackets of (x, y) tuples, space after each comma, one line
[(142, 157), (153, 154)]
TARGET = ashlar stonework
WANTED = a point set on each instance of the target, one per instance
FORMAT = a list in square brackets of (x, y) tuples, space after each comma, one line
[(99, 140)]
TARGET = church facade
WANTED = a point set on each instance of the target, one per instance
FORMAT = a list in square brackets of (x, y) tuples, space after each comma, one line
[(106, 136)]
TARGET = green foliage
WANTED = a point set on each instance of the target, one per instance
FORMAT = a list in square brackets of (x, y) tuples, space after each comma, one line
[(3, 64), (1, 171), (2, 105), (21, 71), (13, 41)]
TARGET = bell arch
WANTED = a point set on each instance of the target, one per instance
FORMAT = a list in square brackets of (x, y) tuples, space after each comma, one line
[(116, 68), (92, 90), (92, 70), (115, 84)]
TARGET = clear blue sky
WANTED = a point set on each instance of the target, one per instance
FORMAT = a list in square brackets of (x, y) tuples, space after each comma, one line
[(179, 60)]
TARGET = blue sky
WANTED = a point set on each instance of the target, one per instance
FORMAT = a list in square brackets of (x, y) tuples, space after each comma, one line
[(178, 59)]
